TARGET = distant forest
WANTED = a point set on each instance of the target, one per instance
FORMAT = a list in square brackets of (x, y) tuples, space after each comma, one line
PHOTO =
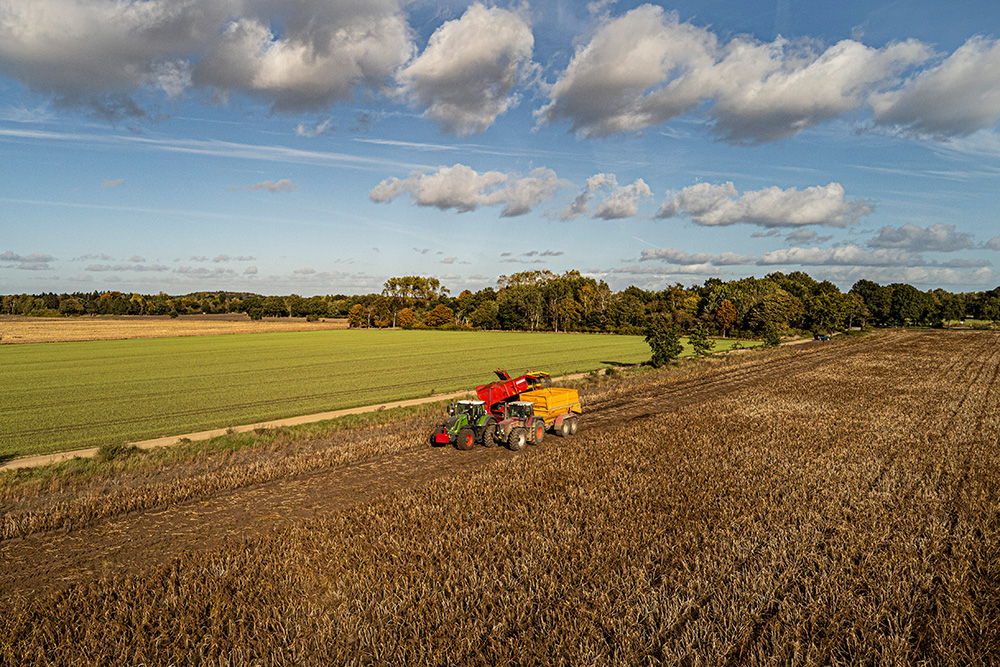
[(544, 301)]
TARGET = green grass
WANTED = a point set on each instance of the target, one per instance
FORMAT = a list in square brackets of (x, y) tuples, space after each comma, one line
[(62, 396)]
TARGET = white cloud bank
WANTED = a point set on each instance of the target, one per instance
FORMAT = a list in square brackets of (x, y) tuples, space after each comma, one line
[(132, 58), (711, 205), (646, 67)]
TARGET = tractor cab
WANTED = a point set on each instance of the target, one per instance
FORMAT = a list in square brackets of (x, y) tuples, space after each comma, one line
[(472, 409), (520, 410)]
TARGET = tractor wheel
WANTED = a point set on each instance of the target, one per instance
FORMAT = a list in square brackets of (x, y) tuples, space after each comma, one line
[(490, 435), (466, 438), (517, 439), (537, 432), (572, 426), (563, 428)]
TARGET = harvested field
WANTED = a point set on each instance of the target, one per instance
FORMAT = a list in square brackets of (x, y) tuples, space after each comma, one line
[(831, 504), (18, 329)]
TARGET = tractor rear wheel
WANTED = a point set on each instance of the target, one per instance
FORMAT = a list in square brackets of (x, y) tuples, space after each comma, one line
[(517, 439), (490, 435), (537, 432), (465, 439)]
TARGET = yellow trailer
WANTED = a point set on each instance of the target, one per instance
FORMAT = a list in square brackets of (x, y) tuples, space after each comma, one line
[(557, 406)]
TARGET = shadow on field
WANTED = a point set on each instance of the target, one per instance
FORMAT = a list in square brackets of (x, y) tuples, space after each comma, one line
[(618, 364)]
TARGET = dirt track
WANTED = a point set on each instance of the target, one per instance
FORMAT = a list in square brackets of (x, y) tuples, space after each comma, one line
[(151, 539)]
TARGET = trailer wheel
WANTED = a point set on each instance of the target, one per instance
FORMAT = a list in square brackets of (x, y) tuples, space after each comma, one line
[(563, 428), (537, 432), (490, 435), (465, 439), (572, 425), (517, 439)]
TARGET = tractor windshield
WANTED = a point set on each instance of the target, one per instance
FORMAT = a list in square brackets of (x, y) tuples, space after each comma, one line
[(517, 410)]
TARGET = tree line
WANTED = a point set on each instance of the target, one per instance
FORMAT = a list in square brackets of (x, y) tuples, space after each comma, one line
[(777, 304)]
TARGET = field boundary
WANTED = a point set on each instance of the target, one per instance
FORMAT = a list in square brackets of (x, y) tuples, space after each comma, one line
[(170, 440)]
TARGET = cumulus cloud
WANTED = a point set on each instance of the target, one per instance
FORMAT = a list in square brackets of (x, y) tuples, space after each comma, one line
[(935, 238), (461, 188), (465, 76), (646, 67), (141, 268), (718, 205), (112, 183), (993, 243), (958, 97), (804, 236), (849, 255), (684, 258), (228, 258), (616, 201), (320, 129), (118, 57), (36, 261), (284, 185)]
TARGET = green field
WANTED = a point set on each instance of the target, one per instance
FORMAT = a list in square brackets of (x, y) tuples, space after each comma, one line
[(62, 396)]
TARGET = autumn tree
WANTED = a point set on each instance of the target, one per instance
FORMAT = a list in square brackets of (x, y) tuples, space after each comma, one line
[(726, 316), (356, 316), (405, 318), (440, 316)]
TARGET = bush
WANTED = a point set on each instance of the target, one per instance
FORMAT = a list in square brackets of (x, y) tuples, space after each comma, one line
[(112, 451)]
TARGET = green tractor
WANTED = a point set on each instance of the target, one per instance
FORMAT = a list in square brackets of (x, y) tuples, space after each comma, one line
[(467, 424)]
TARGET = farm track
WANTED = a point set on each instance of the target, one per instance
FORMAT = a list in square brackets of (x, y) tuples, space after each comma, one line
[(120, 545)]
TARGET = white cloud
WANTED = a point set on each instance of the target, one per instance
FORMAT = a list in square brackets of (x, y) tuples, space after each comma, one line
[(993, 243), (109, 56), (602, 90), (36, 261), (465, 76), (849, 255), (461, 188), (112, 183), (935, 238), (284, 185), (646, 67), (684, 258), (617, 201), (716, 205), (322, 128), (141, 268), (914, 275), (958, 97)]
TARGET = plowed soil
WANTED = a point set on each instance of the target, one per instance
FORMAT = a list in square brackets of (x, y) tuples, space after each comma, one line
[(143, 540)]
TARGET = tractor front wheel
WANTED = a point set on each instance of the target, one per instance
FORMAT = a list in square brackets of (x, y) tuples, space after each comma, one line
[(465, 439), (517, 439), (537, 432)]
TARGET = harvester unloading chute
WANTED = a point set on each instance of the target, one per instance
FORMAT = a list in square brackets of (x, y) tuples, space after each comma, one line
[(508, 389)]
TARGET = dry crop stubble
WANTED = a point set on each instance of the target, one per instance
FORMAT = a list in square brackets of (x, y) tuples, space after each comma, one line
[(828, 514)]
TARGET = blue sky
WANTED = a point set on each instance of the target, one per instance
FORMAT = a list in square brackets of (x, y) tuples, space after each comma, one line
[(323, 146)]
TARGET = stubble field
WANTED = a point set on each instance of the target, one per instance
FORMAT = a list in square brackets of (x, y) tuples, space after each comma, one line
[(835, 504)]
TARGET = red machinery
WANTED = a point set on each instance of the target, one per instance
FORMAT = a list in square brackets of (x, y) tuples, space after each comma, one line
[(509, 389)]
